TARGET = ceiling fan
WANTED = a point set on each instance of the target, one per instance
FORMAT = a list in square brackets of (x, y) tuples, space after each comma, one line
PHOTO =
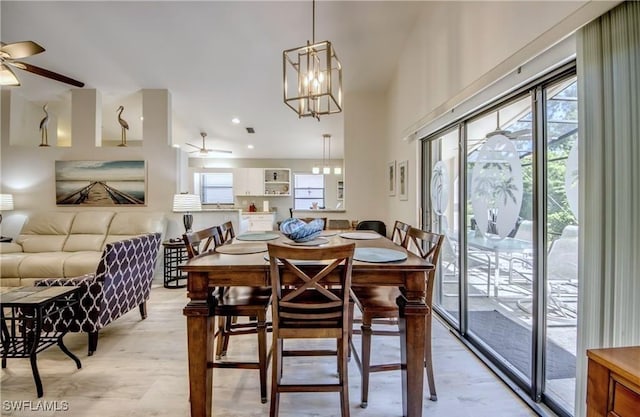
[(204, 150), (18, 50)]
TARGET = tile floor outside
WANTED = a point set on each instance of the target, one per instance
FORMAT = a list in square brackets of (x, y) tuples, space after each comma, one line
[(140, 369)]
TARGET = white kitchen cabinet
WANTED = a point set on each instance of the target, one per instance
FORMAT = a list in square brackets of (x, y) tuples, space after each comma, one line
[(277, 181), (248, 181), (258, 222)]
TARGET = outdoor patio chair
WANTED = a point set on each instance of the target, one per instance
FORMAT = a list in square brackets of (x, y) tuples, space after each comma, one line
[(562, 274)]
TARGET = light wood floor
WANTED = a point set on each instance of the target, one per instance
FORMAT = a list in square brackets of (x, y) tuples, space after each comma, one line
[(140, 369)]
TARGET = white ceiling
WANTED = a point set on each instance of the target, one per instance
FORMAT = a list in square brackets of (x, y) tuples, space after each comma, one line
[(219, 60)]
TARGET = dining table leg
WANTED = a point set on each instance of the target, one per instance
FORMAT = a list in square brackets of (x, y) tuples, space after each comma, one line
[(413, 313), (200, 332)]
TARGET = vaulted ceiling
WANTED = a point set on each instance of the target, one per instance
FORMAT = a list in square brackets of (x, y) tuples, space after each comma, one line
[(219, 60)]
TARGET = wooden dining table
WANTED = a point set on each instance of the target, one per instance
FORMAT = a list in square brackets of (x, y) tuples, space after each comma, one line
[(213, 269)]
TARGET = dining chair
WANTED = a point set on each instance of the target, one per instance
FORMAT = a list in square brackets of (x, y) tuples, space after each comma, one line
[(379, 302), (400, 233), (227, 324), (226, 232), (375, 225), (252, 302), (309, 219), (304, 307), (339, 224)]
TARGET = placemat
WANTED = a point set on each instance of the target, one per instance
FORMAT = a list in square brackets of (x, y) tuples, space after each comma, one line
[(315, 242), (258, 236), (242, 248), (360, 235), (378, 255)]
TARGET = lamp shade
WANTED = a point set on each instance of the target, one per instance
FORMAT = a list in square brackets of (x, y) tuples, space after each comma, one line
[(183, 203), (6, 202)]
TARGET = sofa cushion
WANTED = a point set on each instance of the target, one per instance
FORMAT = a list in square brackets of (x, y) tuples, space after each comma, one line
[(126, 225), (45, 232), (88, 231), (43, 265), (10, 264), (81, 263), (10, 247)]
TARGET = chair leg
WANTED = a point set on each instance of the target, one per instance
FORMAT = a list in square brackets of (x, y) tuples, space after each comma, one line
[(143, 310), (93, 342), (227, 331), (428, 361), (222, 321), (343, 375), (276, 375), (366, 360), (262, 354)]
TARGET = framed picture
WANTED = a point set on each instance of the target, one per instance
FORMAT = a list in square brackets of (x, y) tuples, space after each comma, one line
[(100, 183), (403, 180), (340, 190), (391, 178)]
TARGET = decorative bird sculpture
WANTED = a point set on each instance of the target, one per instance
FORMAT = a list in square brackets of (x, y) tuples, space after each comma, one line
[(124, 125), (44, 133)]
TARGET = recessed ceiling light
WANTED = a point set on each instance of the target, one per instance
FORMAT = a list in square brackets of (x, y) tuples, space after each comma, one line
[(250, 146), (141, 117), (235, 121), (176, 145)]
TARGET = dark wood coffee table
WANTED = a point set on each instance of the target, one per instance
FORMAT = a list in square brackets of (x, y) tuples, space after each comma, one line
[(24, 310)]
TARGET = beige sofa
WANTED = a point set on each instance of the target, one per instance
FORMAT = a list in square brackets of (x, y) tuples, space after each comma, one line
[(68, 244)]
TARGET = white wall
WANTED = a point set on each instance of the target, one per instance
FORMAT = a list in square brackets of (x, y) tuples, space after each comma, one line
[(27, 171), (457, 50)]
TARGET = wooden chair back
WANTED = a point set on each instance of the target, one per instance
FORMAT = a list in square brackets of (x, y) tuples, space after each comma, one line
[(308, 219), (400, 234), (202, 241), (226, 232), (427, 244), (306, 308), (339, 224)]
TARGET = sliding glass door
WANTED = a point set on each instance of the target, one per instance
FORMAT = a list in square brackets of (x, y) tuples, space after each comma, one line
[(445, 217), (498, 234), (501, 185)]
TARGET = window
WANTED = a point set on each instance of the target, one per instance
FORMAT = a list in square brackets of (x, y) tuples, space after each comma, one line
[(307, 190), (216, 188)]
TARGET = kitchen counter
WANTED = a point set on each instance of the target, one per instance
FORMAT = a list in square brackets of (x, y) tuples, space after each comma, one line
[(320, 211)]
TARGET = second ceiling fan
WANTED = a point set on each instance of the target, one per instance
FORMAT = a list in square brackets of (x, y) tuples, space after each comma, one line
[(10, 52), (204, 150)]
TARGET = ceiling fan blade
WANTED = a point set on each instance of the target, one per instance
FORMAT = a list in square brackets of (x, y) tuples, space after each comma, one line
[(46, 73), (219, 151), (197, 147), (22, 49)]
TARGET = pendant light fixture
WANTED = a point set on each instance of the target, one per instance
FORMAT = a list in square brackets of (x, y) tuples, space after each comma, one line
[(325, 168), (326, 140), (312, 76)]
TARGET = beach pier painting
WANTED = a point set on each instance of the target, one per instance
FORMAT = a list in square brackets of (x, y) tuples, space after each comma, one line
[(100, 183)]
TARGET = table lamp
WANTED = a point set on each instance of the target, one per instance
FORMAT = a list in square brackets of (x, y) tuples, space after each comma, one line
[(6, 204), (186, 203)]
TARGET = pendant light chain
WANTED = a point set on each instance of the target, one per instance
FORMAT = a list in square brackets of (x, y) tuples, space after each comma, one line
[(313, 23)]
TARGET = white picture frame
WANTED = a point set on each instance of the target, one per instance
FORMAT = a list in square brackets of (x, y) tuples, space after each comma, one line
[(391, 178), (403, 180)]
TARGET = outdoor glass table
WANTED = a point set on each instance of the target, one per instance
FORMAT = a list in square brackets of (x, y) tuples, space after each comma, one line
[(215, 269), (497, 246)]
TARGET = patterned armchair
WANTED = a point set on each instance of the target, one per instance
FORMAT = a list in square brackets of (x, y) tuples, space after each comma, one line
[(121, 282)]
